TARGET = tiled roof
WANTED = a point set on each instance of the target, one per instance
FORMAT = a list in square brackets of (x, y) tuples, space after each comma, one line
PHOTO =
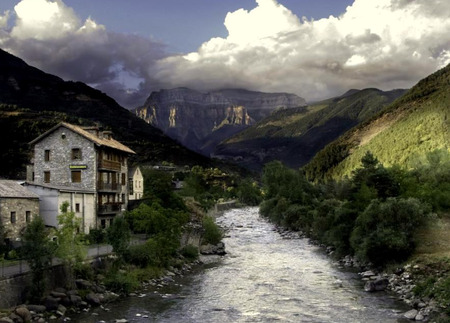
[(112, 143), (9, 188)]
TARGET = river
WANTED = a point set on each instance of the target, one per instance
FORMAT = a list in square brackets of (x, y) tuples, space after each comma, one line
[(263, 278)]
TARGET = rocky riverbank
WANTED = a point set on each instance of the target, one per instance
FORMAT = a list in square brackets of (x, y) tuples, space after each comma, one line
[(401, 282)]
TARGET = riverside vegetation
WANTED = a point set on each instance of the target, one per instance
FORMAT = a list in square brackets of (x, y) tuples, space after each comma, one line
[(379, 215)]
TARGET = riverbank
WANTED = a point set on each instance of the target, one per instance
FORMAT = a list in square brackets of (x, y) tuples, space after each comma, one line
[(422, 282)]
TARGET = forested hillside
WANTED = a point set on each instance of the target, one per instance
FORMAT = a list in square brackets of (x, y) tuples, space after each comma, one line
[(294, 136), (413, 125)]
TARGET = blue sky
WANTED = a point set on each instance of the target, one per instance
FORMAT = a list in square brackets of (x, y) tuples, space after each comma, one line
[(313, 48)]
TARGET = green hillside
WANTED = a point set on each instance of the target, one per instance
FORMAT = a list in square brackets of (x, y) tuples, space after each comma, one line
[(294, 136), (413, 125)]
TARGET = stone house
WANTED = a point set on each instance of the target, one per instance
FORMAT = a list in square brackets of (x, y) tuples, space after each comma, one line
[(136, 183), (84, 166), (18, 206)]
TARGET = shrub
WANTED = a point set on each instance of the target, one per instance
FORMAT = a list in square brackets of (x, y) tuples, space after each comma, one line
[(190, 252), (121, 281), (384, 232), (212, 233)]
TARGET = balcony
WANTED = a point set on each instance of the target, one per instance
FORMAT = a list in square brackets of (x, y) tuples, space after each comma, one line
[(109, 165), (109, 208), (108, 187)]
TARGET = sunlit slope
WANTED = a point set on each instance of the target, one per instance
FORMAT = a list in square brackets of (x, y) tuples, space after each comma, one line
[(294, 136), (416, 123)]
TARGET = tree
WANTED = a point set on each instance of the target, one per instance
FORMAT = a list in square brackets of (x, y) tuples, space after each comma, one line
[(70, 248), (38, 251), (119, 236)]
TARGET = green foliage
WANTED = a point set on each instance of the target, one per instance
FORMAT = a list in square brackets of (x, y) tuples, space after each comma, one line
[(190, 252), (38, 251), (119, 236), (157, 251), (96, 236), (158, 189), (70, 247), (249, 193), (155, 219), (384, 232), (415, 124), (207, 185), (212, 233), (121, 281)]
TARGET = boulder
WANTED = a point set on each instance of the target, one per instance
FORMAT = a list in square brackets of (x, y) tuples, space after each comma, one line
[(61, 311), (36, 308), (51, 303), (83, 284), (24, 313), (93, 299), (376, 285), (6, 320), (411, 315)]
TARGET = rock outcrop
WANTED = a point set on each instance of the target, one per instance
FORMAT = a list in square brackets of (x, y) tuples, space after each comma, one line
[(201, 120)]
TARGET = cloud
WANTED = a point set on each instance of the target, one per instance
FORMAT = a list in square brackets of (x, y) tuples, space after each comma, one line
[(384, 43), (49, 35)]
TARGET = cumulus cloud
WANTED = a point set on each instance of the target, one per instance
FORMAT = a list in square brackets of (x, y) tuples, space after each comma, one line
[(385, 43), (49, 35)]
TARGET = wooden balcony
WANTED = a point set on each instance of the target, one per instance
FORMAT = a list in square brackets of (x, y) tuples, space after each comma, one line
[(110, 165), (108, 208), (108, 187)]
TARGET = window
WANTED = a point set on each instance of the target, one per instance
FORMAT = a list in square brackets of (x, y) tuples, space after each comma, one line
[(47, 176), (76, 176), (13, 217), (103, 223), (124, 179), (47, 155), (77, 207), (28, 216), (76, 154)]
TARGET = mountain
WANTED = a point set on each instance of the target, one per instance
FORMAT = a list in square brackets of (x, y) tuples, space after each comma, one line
[(294, 136), (200, 120), (417, 123), (32, 101)]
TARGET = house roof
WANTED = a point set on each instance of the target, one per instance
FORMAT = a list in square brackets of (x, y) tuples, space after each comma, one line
[(13, 189), (61, 188), (106, 142)]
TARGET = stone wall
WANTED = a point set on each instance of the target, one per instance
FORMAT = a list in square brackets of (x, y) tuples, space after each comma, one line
[(13, 291), (20, 206)]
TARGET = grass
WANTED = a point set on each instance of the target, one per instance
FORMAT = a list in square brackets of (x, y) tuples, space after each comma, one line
[(434, 240)]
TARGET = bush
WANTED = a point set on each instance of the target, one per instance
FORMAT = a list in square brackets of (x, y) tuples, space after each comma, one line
[(121, 281), (384, 232), (190, 252), (96, 236), (212, 233)]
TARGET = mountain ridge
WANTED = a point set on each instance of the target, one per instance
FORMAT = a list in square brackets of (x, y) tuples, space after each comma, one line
[(193, 117)]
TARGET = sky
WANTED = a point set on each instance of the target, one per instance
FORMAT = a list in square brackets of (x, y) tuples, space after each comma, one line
[(313, 48)]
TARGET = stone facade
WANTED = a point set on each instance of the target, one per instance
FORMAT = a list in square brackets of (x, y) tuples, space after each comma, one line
[(85, 167), (18, 206)]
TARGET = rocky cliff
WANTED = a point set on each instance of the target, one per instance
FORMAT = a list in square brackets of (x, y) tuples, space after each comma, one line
[(201, 120)]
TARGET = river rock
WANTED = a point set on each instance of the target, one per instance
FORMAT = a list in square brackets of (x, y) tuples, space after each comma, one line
[(376, 285), (36, 308), (411, 315), (93, 299), (51, 303), (61, 311), (6, 320), (24, 313), (83, 284)]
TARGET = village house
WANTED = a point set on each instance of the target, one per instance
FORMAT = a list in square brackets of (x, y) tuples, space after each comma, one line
[(18, 206), (136, 183), (84, 166)]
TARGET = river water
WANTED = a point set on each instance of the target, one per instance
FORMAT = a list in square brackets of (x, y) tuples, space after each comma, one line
[(263, 278)]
